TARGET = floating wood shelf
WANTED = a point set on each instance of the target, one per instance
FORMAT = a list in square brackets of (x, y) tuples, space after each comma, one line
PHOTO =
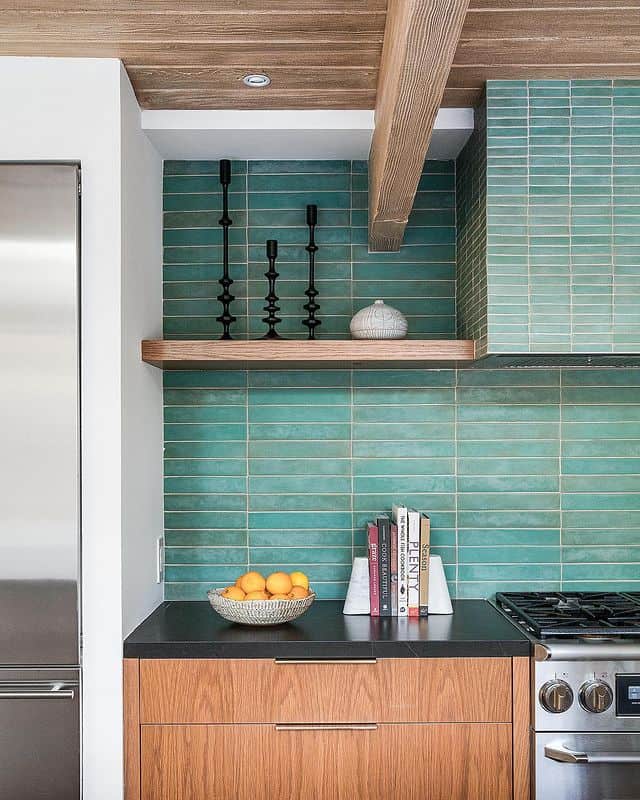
[(304, 354)]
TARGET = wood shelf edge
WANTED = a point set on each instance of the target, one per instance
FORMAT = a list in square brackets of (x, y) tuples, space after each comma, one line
[(297, 354)]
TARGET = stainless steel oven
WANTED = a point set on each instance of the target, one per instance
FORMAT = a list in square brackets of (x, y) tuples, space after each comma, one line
[(586, 714), (585, 692), (587, 766)]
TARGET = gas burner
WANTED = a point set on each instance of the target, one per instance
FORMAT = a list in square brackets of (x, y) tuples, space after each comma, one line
[(571, 602), (572, 614)]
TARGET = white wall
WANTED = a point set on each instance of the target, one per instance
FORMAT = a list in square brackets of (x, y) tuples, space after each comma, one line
[(70, 110), (142, 498)]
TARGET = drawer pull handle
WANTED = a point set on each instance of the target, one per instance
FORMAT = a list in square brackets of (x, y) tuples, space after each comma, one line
[(355, 726), (326, 660)]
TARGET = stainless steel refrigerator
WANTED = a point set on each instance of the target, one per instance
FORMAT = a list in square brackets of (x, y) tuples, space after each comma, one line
[(39, 482)]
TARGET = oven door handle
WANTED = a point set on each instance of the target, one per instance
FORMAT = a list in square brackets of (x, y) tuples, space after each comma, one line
[(38, 691), (558, 752)]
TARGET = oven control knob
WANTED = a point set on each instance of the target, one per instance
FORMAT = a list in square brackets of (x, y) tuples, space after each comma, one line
[(556, 696), (595, 696)]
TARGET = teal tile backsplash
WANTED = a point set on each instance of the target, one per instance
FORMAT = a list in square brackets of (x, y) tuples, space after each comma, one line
[(561, 201), (267, 201), (531, 477)]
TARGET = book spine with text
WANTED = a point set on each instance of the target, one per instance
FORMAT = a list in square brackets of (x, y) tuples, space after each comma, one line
[(425, 548), (413, 563), (400, 517), (374, 585), (384, 532), (394, 569)]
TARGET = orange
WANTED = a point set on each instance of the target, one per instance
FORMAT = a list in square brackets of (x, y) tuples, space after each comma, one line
[(252, 582), (233, 593), (239, 581), (279, 597), (298, 592), (299, 579), (279, 583), (256, 596)]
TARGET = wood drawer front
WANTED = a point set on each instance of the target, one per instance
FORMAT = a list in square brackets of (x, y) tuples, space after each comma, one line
[(389, 690), (258, 762)]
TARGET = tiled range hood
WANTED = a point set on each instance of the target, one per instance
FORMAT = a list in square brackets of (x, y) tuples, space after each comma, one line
[(548, 196)]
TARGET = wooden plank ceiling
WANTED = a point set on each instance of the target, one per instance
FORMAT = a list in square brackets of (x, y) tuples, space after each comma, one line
[(318, 53)]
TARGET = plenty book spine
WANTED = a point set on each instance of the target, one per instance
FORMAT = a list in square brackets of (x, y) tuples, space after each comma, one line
[(413, 563), (394, 570), (384, 532), (400, 517), (374, 576), (425, 548)]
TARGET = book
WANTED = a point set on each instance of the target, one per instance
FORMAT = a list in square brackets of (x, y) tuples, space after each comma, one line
[(394, 569), (384, 535), (413, 563), (425, 547), (374, 572), (400, 518)]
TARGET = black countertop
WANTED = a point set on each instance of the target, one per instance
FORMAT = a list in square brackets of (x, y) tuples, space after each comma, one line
[(194, 630)]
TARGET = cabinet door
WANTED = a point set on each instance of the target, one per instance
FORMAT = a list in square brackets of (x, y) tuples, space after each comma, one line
[(263, 762)]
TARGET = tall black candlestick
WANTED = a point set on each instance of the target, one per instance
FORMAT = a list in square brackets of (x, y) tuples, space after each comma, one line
[(311, 307), (226, 298), (272, 298)]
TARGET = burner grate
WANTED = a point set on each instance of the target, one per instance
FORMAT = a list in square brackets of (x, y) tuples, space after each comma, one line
[(547, 614)]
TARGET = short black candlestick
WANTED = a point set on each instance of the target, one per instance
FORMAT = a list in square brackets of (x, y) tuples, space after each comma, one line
[(226, 298), (272, 298), (311, 307)]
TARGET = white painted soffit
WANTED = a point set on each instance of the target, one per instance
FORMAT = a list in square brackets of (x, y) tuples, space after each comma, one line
[(287, 134)]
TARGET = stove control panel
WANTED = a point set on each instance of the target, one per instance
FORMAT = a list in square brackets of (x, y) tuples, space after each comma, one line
[(595, 695), (628, 695)]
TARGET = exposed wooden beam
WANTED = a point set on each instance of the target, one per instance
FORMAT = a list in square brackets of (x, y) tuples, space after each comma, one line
[(420, 41)]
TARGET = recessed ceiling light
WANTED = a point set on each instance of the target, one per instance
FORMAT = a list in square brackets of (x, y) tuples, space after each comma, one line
[(256, 81)]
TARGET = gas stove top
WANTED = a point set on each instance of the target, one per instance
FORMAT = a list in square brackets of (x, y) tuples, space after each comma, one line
[(585, 691), (573, 614)]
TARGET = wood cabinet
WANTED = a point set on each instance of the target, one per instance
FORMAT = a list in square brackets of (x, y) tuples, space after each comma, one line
[(443, 729), (263, 762), (384, 690)]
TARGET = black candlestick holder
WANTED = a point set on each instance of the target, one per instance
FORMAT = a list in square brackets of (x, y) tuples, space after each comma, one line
[(226, 298), (311, 307), (272, 298)]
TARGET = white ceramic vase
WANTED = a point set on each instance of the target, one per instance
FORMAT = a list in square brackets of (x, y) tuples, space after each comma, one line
[(378, 321)]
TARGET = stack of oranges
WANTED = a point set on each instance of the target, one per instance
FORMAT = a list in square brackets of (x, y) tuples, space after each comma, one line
[(278, 586)]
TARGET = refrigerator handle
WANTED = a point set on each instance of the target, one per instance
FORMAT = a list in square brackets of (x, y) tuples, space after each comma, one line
[(53, 691)]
